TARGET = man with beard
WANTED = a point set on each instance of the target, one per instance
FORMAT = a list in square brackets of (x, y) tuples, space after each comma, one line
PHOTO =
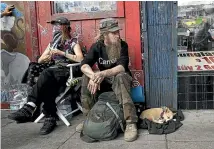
[(62, 50), (111, 55)]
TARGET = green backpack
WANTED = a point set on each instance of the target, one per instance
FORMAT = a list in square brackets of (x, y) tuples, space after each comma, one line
[(104, 120)]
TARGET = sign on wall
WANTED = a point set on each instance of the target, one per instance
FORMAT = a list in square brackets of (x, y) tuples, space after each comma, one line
[(196, 61), (195, 36)]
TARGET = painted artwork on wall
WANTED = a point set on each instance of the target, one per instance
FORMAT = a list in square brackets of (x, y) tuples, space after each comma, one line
[(14, 61), (13, 29)]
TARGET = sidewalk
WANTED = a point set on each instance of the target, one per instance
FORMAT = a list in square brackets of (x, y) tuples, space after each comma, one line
[(197, 132)]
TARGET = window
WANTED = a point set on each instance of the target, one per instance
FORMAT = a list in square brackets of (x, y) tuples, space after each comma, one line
[(84, 6), (80, 10)]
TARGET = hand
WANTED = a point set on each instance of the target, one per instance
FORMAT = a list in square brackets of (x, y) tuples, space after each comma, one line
[(47, 58), (8, 10), (98, 77), (92, 87), (57, 52)]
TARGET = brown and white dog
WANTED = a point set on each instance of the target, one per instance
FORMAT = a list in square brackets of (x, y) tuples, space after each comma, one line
[(158, 115)]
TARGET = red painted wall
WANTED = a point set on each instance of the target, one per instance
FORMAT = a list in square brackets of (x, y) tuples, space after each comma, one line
[(129, 20), (31, 35)]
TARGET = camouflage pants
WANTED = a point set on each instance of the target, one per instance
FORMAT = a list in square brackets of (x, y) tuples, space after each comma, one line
[(121, 85)]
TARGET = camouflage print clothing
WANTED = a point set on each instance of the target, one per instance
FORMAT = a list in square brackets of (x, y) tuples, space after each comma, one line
[(121, 85)]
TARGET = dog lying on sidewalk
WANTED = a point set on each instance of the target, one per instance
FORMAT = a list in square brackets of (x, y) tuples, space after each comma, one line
[(158, 115)]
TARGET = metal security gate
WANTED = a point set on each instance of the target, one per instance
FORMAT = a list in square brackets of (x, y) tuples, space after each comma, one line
[(160, 53), (196, 90), (195, 55)]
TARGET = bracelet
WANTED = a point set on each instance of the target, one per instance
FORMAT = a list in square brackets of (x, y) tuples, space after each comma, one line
[(66, 52)]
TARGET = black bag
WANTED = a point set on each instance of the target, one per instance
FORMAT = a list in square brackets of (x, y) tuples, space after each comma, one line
[(165, 128)]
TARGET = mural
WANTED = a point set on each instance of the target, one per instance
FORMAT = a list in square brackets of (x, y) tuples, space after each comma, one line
[(13, 29), (14, 61)]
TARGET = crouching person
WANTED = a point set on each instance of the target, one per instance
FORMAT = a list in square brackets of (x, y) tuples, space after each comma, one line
[(111, 55), (53, 78)]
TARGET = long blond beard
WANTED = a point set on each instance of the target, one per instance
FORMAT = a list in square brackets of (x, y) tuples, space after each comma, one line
[(113, 50)]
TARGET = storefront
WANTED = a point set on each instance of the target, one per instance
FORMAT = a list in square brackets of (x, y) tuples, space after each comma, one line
[(178, 54), (196, 55), (183, 78)]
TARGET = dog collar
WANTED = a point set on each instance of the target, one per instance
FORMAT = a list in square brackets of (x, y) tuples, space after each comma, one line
[(162, 113)]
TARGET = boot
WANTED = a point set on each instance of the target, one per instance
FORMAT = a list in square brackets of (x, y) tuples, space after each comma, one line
[(79, 127), (23, 115), (48, 126), (130, 132)]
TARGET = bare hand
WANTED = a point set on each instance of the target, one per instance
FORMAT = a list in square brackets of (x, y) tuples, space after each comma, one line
[(47, 58), (92, 87), (8, 10), (98, 77), (56, 52)]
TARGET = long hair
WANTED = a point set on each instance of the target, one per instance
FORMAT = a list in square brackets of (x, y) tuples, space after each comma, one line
[(100, 36), (65, 33)]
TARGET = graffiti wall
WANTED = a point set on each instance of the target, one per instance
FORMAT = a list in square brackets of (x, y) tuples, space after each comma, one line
[(13, 29), (14, 61)]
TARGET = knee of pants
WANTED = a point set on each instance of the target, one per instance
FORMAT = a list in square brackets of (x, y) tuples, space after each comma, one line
[(47, 72), (85, 80), (123, 77), (120, 75)]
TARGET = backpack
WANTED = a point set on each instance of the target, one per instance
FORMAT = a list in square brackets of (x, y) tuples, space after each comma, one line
[(104, 120)]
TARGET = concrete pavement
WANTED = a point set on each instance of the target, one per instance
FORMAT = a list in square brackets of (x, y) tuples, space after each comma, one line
[(196, 133)]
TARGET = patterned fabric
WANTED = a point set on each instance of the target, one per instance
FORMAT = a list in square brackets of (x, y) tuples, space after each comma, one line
[(67, 46), (64, 46), (34, 70)]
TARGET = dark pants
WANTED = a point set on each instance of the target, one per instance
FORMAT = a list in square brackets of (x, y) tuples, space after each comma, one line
[(121, 85), (33, 72), (48, 87)]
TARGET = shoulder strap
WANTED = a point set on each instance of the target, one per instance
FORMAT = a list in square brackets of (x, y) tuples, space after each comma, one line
[(118, 118)]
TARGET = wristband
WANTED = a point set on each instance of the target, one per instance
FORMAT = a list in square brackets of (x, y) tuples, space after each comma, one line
[(66, 52)]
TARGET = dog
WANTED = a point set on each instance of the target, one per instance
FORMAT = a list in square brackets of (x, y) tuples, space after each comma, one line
[(158, 115)]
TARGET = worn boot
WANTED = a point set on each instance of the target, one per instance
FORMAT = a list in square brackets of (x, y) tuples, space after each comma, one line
[(79, 127), (23, 115), (130, 132), (48, 126)]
